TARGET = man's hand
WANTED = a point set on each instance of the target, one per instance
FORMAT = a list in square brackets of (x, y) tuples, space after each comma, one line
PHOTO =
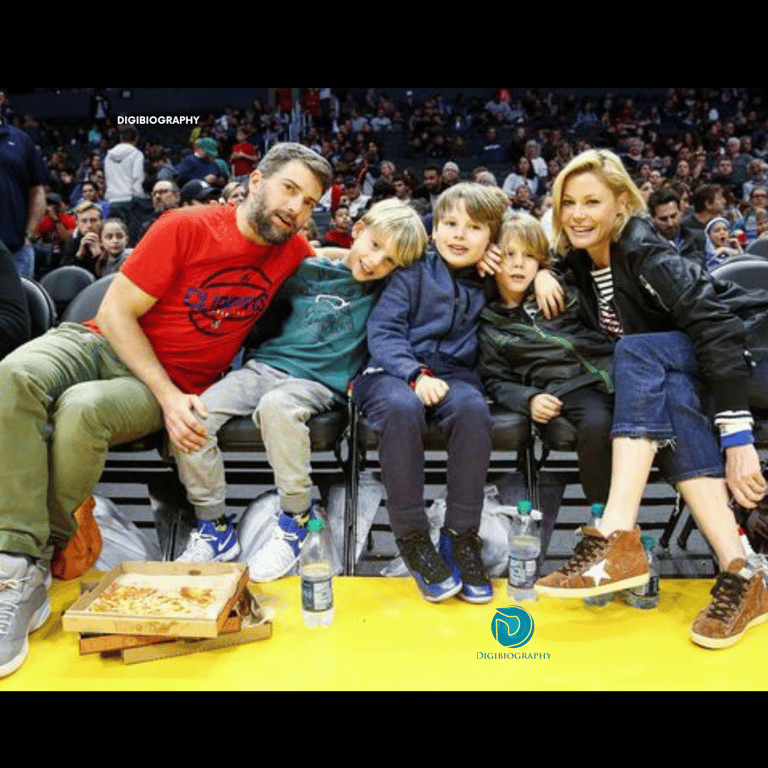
[(744, 476), (430, 390), (545, 407), (180, 414), (549, 294)]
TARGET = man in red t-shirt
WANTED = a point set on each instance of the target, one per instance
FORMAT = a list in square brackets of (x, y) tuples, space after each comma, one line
[(169, 325)]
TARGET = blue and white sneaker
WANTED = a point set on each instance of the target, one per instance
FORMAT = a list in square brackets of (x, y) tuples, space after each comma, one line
[(213, 542), (281, 553), (435, 580), (463, 554)]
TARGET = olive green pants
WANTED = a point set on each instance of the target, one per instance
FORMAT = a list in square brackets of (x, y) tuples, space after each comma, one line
[(65, 397)]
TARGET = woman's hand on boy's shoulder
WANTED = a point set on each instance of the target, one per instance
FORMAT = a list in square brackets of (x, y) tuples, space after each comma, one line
[(550, 295), (490, 264)]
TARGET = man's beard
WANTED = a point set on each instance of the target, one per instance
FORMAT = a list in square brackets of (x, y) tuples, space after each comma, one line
[(261, 220)]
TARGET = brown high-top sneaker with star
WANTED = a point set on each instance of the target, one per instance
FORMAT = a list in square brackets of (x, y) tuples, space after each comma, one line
[(739, 602), (599, 565)]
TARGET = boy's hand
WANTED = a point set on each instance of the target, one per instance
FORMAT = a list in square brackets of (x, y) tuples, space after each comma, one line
[(549, 294), (490, 264), (545, 407), (430, 390)]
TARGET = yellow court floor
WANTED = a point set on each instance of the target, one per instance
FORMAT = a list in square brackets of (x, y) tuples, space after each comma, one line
[(387, 638)]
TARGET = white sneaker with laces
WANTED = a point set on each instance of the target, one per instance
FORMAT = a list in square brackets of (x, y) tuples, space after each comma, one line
[(280, 553), (211, 543)]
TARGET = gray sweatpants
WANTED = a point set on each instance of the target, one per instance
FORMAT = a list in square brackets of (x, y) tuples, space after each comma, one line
[(280, 405)]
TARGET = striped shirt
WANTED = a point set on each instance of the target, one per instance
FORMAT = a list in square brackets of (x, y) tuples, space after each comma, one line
[(609, 320)]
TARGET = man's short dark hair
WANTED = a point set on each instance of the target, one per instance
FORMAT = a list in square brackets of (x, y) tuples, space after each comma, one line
[(662, 196), (703, 195)]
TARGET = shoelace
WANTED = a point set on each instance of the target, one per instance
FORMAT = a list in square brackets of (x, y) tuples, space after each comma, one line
[(584, 553), (198, 544), (420, 558), (8, 605), (467, 553), (727, 594)]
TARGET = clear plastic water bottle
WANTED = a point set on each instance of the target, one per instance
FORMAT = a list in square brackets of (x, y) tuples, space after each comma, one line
[(316, 575), (596, 515), (647, 595), (524, 549)]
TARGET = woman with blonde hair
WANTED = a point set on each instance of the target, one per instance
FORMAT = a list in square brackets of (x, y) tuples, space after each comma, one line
[(676, 329)]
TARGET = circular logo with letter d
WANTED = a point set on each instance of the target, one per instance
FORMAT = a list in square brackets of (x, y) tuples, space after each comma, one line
[(512, 626)]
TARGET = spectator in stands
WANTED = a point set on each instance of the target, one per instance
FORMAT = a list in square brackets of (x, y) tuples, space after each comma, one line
[(494, 152), (664, 208), (756, 177), (451, 175), (614, 256), (233, 193), (23, 176), (721, 243), (356, 200), (244, 155), (201, 164), (747, 222), (707, 202), (124, 175), (56, 229), (523, 174), (162, 168), (402, 184), (114, 247), (90, 192), (431, 185), (84, 249), (340, 234), (197, 192), (136, 374)]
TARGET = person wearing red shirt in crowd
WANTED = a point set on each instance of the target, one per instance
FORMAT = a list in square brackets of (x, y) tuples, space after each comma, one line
[(56, 227), (172, 320), (340, 234), (244, 155)]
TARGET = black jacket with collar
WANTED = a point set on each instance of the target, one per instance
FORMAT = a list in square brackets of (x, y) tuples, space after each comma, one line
[(656, 290)]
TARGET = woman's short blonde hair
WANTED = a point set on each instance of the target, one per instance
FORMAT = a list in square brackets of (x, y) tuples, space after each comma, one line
[(608, 167), (528, 230)]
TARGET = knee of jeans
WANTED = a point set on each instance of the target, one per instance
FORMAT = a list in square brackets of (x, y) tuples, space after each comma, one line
[(276, 405)]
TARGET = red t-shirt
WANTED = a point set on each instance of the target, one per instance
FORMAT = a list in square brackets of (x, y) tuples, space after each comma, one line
[(211, 286), (241, 167)]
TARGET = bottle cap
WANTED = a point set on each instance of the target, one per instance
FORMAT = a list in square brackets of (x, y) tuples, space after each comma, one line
[(316, 524), (598, 510), (524, 507)]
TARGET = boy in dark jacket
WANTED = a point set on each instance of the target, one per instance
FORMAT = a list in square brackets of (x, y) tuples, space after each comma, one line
[(547, 369), (422, 338)]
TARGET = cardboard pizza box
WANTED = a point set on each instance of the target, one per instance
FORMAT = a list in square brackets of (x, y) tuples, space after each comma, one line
[(227, 581), (250, 632)]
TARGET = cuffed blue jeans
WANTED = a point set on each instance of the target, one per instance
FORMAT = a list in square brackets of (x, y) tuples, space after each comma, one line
[(659, 397)]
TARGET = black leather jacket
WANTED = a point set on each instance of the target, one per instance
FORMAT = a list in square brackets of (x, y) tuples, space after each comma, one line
[(657, 290)]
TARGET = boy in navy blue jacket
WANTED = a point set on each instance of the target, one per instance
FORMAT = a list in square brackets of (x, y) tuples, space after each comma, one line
[(422, 338)]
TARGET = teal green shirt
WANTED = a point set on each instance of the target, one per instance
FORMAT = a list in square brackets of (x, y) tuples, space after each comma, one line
[(324, 338)]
